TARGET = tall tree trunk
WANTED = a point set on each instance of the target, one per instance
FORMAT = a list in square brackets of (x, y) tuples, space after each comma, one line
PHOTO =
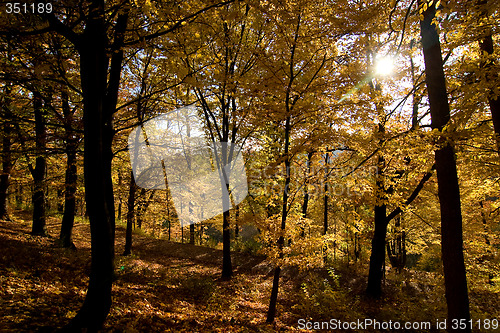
[(71, 177), (486, 45), (325, 196), (236, 224), (325, 209), (305, 203), (119, 213), (377, 257), (448, 188), (191, 225), (227, 267), (7, 164), (191, 234), (130, 215), (38, 198), (271, 313), (488, 65), (6, 154), (99, 103), (415, 98)]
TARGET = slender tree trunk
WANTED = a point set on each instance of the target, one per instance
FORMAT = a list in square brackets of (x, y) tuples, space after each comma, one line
[(227, 267), (167, 197), (415, 99), (130, 215), (119, 213), (305, 203), (448, 188), (236, 225), (38, 172), (6, 170), (485, 226), (71, 177), (377, 257), (271, 313), (325, 197), (6, 156), (191, 225), (325, 209), (486, 45), (191, 234), (491, 70)]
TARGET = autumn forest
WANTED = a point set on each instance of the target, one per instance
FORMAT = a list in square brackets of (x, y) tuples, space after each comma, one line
[(249, 166)]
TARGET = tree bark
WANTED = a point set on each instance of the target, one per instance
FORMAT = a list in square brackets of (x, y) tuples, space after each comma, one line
[(236, 224), (305, 203), (119, 213), (71, 177), (130, 215), (6, 165), (6, 156), (100, 96), (271, 313), (227, 266), (191, 225), (191, 234), (448, 188), (488, 65), (377, 257), (325, 196), (38, 197)]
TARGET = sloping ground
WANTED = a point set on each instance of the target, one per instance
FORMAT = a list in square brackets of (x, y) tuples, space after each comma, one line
[(172, 287), (163, 286)]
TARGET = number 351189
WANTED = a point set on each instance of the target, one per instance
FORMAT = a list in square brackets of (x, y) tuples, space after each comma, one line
[(25, 8)]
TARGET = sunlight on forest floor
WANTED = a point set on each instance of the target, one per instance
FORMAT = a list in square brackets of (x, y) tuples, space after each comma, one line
[(166, 286)]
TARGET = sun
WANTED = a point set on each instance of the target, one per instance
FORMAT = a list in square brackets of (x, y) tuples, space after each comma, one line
[(384, 66)]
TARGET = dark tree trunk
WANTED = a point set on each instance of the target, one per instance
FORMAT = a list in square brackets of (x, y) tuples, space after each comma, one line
[(19, 196), (191, 225), (415, 98), (448, 188), (396, 246), (99, 103), (38, 172), (191, 234), (325, 209), (6, 170), (325, 197), (227, 267), (271, 313), (236, 225), (119, 213), (71, 177), (130, 215), (377, 257), (305, 203), (6, 156), (169, 220), (485, 227), (486, 45)]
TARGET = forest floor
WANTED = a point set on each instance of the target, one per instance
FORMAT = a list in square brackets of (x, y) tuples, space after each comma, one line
[(171, 287)]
